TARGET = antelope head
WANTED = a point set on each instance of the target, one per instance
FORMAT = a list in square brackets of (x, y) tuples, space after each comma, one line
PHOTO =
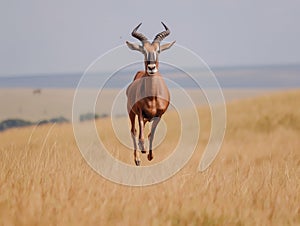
[(150, 50)]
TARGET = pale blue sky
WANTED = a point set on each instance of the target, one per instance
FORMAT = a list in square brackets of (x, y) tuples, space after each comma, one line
[(61, 36)]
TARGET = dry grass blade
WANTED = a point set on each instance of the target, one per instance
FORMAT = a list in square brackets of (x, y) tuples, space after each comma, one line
[(255, 180)]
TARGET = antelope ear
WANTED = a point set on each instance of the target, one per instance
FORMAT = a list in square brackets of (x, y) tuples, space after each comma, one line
[(166, 46), (133, 46)]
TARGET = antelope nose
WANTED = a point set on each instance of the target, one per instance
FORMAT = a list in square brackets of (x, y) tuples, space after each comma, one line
[(151, 66)]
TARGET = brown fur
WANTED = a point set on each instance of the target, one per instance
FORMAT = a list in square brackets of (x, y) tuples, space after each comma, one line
[(148, 96)]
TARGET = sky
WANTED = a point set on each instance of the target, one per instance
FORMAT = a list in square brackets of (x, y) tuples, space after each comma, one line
[(61, 36)]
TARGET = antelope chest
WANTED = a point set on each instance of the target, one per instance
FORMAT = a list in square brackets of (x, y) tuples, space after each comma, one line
[(153, 107)]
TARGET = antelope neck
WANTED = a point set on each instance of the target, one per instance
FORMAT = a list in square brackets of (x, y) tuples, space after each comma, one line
[(152, 84)]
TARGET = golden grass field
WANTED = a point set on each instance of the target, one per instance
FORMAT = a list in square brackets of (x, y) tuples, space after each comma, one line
[(255, 179)]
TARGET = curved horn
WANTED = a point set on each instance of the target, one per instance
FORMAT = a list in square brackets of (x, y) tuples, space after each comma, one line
[(160, 36), (137, 35)]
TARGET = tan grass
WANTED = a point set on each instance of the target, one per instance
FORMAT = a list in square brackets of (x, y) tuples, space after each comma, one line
[(255, 179)]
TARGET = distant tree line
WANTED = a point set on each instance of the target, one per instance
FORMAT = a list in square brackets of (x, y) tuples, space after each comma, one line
[(16, 123)]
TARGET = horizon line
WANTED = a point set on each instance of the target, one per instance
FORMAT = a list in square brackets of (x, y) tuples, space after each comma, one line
[(213, 68)]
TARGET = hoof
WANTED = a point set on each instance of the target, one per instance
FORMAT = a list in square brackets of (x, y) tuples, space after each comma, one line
[(150, 157), (137, 162), (144, 151)]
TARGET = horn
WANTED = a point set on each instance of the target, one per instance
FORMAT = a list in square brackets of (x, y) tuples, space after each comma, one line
[(160, 36), (137, 35)]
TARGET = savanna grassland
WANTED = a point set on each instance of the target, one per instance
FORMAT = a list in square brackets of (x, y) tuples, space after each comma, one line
[(255, 179)]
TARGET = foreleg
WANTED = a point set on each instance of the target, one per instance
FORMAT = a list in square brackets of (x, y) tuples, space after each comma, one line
[(151, 136)]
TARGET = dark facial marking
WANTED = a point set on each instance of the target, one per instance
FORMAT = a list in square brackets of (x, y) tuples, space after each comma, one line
[(151, 58)]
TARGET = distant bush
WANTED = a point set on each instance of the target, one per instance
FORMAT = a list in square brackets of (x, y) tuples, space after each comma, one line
[(42, 122), (59, 120), (91, 116), (53, 120), (13, 123)]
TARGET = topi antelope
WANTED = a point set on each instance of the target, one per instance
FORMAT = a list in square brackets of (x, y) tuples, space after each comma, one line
[(148, 96)]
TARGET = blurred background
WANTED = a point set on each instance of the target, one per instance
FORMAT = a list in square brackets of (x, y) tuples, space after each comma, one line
[(45, 47), (66, 36)]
